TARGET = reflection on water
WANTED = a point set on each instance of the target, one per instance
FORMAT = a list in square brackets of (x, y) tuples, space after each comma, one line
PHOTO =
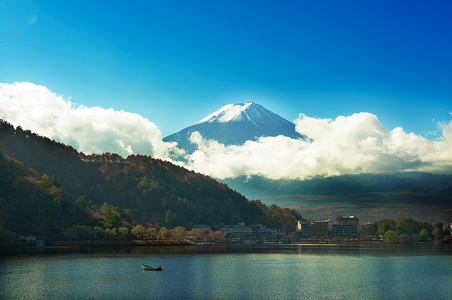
[(233, 272), (378, 249)]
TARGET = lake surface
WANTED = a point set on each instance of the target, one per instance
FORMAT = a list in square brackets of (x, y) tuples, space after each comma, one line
[(232, 272)]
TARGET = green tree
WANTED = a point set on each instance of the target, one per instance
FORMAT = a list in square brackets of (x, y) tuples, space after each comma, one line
[(424, 233), (79, 232), (151, 233), (82, 202), (407, 225), (391, 236), (115, 217), (386, 225), (139, 231), (98, 233), (87, 232), (111, 233), (163, 234), (123, 233)]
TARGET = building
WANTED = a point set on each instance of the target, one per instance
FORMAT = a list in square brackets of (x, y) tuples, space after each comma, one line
[(256, 232), (260, 231), (320, 228), (303, 229), (273, 232), (282, 233), (351, 220), (345, 226), (239, 231), (256, 229)]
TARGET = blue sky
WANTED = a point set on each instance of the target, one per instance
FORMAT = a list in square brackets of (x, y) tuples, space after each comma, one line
[(175, 62)]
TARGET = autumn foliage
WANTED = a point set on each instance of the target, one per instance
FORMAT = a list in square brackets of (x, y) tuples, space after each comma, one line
[(139, 188)]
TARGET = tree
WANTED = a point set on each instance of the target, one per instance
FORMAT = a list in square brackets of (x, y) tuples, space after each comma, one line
[(123, 232), (79, 232), (371, 229), (200, 234), (98, 233), (139, 231), (163, 234), (172, 234), (87, 232), (391, 236), (151, 233), (111, 233), (115, 217), (82, 202), (216, 236), (385, 225), (180, 232), (423, 233), (407, 225)]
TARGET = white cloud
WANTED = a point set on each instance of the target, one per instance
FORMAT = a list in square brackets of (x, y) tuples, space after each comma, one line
[(346, 145), (88, 129)]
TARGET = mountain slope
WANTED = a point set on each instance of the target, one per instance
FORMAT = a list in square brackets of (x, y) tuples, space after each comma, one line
[(33, 204), (371, 197), (234, 124), (155, 191)]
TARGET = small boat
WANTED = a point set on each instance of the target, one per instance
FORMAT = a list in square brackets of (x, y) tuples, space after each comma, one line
[(149, 268)]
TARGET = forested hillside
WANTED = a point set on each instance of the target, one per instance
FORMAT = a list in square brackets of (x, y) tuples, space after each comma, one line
[(155, 191), (34, 204)]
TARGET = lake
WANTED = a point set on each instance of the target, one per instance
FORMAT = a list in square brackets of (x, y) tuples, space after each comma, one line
[(232, 272)]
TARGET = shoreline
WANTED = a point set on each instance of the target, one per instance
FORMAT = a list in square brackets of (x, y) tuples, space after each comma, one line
[(10, 247), (23, 245)]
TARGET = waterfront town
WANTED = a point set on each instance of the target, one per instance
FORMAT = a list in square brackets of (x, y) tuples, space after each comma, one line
[(343, 229)]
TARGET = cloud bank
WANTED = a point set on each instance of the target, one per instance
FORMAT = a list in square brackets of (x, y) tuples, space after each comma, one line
[(346, 145), (88, 129)]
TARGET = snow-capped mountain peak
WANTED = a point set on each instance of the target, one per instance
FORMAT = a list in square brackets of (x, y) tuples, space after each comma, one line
[(230, 112), (234, 124)]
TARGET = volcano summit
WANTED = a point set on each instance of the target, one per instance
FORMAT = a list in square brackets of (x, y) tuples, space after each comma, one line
[(234, 124)]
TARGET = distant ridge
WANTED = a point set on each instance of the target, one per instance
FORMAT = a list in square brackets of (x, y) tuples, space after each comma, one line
[(234, 124)]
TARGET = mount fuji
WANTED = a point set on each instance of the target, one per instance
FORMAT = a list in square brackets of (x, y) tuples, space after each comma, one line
[(234, 124)]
